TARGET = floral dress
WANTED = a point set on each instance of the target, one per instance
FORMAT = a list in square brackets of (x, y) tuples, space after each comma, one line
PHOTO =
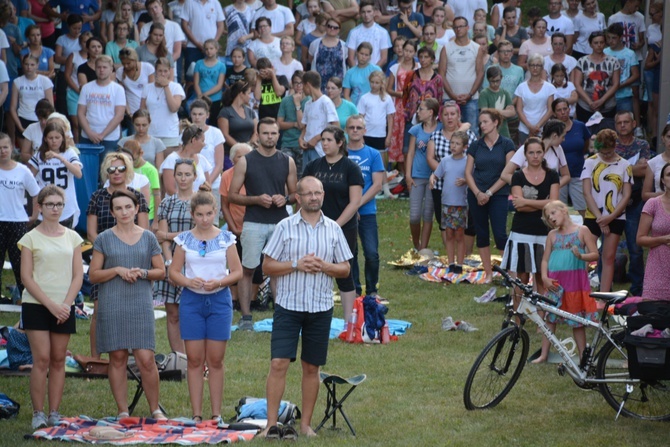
[(418, 91), (328, 63), (398, 135)]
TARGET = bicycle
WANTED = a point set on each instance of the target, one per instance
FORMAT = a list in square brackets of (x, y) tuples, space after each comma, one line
[(604, 364)]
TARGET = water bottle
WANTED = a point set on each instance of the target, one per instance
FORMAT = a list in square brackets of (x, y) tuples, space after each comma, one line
[(352, 326), (385, 334)]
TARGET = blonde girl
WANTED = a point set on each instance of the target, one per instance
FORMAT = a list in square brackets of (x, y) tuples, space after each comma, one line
[(569, 249), (209, 77), (378, 110)]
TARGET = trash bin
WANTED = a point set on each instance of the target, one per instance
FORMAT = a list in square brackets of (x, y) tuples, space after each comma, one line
[(89, 181)]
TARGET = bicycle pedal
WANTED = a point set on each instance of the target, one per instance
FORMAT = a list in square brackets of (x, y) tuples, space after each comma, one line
[(561, 370)]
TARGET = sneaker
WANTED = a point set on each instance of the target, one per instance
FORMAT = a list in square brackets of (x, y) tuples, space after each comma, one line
[(448, 324), (54, 419), (217, 419), (639, 132), (39, 420), (245, 324), (466, 327), (490, 295)]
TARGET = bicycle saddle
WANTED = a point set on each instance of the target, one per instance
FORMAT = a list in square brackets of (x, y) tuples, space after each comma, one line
[(610, 297)]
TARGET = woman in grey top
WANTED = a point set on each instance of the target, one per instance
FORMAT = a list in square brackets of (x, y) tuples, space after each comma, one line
[(126, 258)]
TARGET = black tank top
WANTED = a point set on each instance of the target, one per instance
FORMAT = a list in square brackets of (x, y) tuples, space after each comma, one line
[(265, 175)]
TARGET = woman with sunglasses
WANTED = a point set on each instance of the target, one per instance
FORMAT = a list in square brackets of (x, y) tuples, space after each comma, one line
[(126, 259), (118, 169), (205, 264), (193, 141), (328, 54)]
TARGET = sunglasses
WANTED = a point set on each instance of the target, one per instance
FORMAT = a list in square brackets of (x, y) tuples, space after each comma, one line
[(355, 127), (181, 161), (203, 248), (113, 169), (332, 27)]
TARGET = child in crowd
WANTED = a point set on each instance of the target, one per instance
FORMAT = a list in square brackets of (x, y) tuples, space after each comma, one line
[(377, 108), (141, 166), (569, 249), (398, 45), (286, 65), (209, 77), (495, 97), (481, 27), (355, 81), (454, 196), (626, 100), (238, 70), (564, 88)]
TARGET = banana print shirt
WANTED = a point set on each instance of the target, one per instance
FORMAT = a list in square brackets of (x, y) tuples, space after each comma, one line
[(607, 180)]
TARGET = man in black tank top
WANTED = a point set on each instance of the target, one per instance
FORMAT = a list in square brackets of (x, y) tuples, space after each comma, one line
[(269, 177)]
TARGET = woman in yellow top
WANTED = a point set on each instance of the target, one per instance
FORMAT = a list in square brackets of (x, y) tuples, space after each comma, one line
[(52, 273)]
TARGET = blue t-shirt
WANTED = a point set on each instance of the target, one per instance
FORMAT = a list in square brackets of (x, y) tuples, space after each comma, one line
[(420, 168), (489, 163), (47, 53), (627, 59), (13, 61), (356, 79), (399, 26), (449, 170), (209, 76), (76, 7), (369, 160), (345, 110), (573, 147)]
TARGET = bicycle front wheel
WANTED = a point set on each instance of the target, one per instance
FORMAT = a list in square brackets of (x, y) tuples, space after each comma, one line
[(649, 400), (497, 369)]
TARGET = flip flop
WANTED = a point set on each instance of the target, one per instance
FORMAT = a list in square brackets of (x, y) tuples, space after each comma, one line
[(290, 434), (273, 434)]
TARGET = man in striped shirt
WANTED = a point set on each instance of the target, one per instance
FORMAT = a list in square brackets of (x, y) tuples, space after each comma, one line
[(305, 252)]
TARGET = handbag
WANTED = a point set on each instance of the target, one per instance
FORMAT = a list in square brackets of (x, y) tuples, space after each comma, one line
[(92, 365)]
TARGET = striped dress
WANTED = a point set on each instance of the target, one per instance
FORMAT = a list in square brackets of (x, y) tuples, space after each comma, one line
[(125, 316), (571, 274)]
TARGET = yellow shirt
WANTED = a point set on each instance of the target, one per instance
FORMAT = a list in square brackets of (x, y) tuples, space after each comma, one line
[(52, 263)]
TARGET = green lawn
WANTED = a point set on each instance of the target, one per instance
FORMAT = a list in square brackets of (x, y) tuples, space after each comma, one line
[(414, 389)]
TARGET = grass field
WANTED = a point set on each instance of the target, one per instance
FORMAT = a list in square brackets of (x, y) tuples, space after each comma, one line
[(413, 394)]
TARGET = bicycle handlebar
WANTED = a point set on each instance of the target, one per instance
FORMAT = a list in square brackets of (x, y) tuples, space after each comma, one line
[(527, 289)]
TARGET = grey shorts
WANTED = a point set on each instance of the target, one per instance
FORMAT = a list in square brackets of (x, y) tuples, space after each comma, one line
[(254, 237), (575, 192)]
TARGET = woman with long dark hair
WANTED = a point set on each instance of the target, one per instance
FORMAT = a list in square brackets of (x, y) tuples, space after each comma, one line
[(236, 119)]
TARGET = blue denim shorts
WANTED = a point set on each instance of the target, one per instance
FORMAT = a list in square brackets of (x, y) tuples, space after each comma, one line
[(205, 316)]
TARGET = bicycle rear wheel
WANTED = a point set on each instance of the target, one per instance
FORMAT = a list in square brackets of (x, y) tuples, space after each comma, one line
[(649, 400), (496, 369)]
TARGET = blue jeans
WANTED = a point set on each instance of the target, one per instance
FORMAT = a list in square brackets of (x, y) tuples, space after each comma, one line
[(470, 114), (191, 55), (495, 210), (635, 252), (367, 231), (109, 145)]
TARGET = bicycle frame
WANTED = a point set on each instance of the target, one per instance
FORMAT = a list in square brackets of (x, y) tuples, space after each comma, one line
[(529, 309)]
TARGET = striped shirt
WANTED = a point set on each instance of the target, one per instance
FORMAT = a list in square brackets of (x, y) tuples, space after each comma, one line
[(294, 238)]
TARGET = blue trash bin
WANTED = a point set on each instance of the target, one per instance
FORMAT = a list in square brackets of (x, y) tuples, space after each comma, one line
[(89, 181)]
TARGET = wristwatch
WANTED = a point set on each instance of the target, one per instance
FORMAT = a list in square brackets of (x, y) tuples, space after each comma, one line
[(294, 265), (489, 193), (288, 199), (168, 263)]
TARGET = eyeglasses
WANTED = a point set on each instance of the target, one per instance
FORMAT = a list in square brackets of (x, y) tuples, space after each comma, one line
[(535, 65), (51, 205), (332, 27), (460, 26), (202, 245), (113, 169), (355, 127), (310, 194)]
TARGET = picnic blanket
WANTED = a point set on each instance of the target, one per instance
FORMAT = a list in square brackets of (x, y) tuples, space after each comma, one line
[(133, 430), (441, 274), (396, 327)]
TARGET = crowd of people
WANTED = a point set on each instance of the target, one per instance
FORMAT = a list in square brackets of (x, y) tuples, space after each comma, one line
[(480, 107)]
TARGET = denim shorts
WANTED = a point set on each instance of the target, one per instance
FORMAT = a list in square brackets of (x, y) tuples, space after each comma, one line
[(205, 316)]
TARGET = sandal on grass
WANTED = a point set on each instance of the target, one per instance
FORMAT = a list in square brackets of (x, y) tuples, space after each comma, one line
[(197, 419), (289, 434), (159, 415), (273, 434), (123, 414)]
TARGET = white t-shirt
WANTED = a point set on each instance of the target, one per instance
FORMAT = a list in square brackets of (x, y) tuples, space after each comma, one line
[(13, 186), (270, 50), (34, 133), (69, 46), (77, 60), (29, 93), (201, 167), (100, 102), (534, 104), (375, 111), (173, 33), (286, 70), (280, 17), (4, 76), (376, 35), (134, 88), (164, 124), (316, 116), (585, 26), (306, 27), (633, 25), (554, 156), (444, 40), (565, 92), (467, 8), (569, 63), (654, 34), (561, 24), (54, 172), (202, 19), (213, 137)]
